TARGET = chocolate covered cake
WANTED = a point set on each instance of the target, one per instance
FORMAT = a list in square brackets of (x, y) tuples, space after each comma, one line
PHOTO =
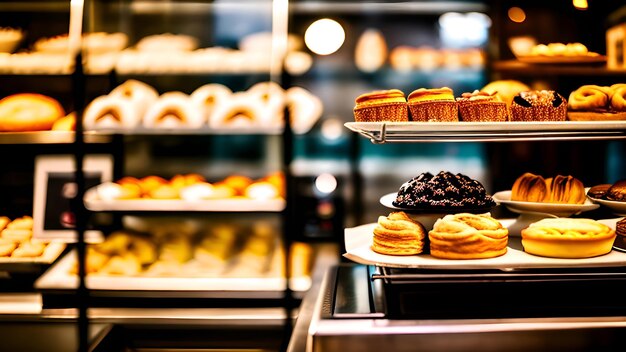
[(444, 191), (620, 231)]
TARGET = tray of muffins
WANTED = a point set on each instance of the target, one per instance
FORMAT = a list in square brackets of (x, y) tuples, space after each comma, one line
[(443, 222), (501, 109)]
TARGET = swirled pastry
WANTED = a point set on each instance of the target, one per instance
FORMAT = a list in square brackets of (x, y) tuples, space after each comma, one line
[(567, 238), (398, 234), (589, 97), (468, 236)]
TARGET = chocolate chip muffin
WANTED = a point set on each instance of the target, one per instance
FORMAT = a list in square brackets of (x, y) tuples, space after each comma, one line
[(444, 191), (539, 105)]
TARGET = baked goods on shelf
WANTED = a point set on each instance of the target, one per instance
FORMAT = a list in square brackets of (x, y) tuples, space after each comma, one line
[(567, 238), (16, 238), (561, 50), (370, 53), (468, 236), (173, 110), (539, 105), (617, 191), (593, 103), (406, 58), (506, 89), (433, 105), (29, 112), (443, 192), (381, 105), (209, 96), (305, 109), (10, 38), (93, 43), (167, 42), (560, 189), (481, 106), (398, 234)]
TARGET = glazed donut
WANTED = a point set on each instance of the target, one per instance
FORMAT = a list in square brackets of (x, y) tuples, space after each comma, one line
[(173, 110), (111, 111), (240, 110), (29, 112), (304, 108), (618, 101), (589, 97), (208, 96), (141, 94)]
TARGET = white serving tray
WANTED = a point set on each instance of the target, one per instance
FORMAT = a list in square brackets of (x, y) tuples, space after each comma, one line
[(359, 239), (59, 276), (514, 126), (94, 203)]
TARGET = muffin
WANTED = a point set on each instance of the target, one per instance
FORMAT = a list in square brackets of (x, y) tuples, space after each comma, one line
[(539, 105), (381, 105), (617, 192), (620, 232), (443, 192), (506, 89), (468, 236), (482, 107), (433, 105), (567, 238)]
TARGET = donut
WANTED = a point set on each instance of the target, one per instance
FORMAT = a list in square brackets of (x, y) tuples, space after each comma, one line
[(304, 109), (29, 112), (618, 101), (589, 97), (240, 110), (173, 110), (208, 96), (141, 94), (111, 111)]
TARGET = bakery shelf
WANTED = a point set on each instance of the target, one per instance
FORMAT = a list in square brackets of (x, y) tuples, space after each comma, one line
[(139, 131), (384, 7), (398, 132), (94, 203), (528, 69), (49, 137)]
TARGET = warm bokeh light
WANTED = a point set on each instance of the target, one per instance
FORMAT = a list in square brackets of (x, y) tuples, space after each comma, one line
[(580, 4), (324, 36), (326, 183), (516, 14), (332, 129)]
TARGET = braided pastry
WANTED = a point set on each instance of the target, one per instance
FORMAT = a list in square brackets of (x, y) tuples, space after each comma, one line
[(398, 234), (468, 236), (567, 238), (589, 97), (560, 189)]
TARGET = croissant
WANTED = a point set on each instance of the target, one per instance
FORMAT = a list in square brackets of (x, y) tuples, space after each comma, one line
[(560, 189), (530, 188), (398, 234)]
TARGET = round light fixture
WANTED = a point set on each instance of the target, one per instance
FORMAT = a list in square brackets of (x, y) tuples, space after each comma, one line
[(324, 36)]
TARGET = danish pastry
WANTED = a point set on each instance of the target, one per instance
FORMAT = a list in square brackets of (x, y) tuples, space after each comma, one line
[(398, 234), (381, 105), (436, 104), (567, 238), (173, 110), (468, 236)]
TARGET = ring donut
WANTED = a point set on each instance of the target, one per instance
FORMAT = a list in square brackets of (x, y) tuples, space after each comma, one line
[(29, 112), (589, 97), (272, 96), (240, 110), (109, 111), (208, 96), (141, 94), (618, 101), (173, 110)]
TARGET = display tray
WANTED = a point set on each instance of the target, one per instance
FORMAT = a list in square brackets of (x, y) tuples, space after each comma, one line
[(60, 277), (252, 130), (559, 60), (617, 208), (559, 209), (94, 203), (381, 132), (358, 241), (52, 251)]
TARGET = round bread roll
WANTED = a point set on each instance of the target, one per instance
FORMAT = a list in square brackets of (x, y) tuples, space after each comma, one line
[(567, 238), (506, 89), (29, 112), (468, 236)]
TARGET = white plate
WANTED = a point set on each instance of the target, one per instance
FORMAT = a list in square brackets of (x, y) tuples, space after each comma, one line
[(462, 127), (358, 241), (504, 198), (618, 208), (94, 203)]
